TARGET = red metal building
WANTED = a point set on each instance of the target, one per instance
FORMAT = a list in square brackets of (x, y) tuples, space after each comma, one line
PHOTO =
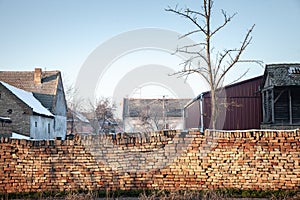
[(239, 107)]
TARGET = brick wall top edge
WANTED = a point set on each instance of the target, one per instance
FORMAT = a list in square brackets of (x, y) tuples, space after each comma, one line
[(132, 138), (37, 142), (253, 130), (252, 133), (161, 136)]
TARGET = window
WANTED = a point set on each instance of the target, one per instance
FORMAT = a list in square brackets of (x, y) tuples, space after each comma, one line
[(49, 128), (35, 124), (9, 111)]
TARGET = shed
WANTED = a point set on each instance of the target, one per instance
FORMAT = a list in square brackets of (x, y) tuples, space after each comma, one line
[(239, 107), (281, 96)]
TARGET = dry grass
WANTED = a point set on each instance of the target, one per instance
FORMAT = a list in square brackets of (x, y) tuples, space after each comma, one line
[(286, 196), (73, 196), (168, 195), (76, 196), (215, 195), (179, 195)]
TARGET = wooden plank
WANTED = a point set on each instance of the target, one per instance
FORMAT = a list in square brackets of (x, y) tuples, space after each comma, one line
[(263, 105), (272, 104), (290, 107)]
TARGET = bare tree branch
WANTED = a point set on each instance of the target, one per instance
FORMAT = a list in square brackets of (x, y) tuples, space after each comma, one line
[(227, 19), (240, 77), (244, 45), (189, 33), (188, 16), (200, 60), (192, 46)]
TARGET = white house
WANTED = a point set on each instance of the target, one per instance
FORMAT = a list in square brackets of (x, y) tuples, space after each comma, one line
[(47, 88)]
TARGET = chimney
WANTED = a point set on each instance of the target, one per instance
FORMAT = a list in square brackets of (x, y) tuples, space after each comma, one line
[(37, 75)]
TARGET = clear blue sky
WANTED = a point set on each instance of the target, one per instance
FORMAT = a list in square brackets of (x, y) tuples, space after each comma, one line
[(60, 34)]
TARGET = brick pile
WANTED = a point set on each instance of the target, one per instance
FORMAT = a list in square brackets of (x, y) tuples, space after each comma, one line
[(267, 160)]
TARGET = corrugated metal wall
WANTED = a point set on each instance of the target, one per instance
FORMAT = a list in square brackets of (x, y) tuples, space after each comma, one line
[(192, 115), (239, 107)]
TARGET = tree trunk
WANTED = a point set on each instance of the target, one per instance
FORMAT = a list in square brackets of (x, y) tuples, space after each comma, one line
[(213, 118), (207, 6), (212, 71)]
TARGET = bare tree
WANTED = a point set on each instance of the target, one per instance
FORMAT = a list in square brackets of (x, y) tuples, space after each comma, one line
[(92, 116), (105, 113), (74, 105), (212, 68), (151, 117), (101, 115)]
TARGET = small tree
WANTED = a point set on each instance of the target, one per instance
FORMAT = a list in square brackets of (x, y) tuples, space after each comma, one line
[(212, 72), (74, 105), (152, 117), (105, 113)]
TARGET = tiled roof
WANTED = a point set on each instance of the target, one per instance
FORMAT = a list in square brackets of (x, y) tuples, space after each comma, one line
[(282, 75), (44, 92), (28, 99)]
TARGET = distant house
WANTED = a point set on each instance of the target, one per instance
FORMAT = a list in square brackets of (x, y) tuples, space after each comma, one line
[(30, 118), (239, 107), (281, 96), (145, 115), (47, 88), (78, 123)]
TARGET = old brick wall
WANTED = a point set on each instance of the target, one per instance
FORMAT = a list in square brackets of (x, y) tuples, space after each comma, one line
[(163, 160), (5, 128), (46, 166), (12, 107)]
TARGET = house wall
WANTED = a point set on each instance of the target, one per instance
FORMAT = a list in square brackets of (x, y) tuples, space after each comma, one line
[(134, 124), (5, 129), (20, 114), (286, 105), (60, 107), (77, 126), (249, 160), (60, 126), (155, 110), (192, 115), (41, 127), (60, 111)]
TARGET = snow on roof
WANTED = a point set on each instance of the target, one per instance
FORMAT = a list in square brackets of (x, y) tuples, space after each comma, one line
[(19, 136), (81, 117), (29, 99)]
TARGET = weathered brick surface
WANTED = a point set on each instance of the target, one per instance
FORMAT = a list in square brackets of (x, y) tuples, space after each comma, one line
[(165, 160), (5, 129), (16, 110)]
